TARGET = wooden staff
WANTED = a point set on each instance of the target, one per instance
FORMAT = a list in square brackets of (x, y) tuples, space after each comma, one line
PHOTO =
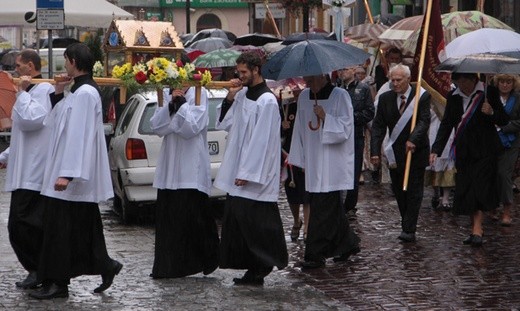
[(418, 90), (367, 7), (122, 96)]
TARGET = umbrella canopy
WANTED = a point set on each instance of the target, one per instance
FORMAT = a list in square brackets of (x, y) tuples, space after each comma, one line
[(211, 44), (256, 39), (217, 58), (387, 19), (249, 48), (186, 37), (312, 57), (301, 36), (211, 33), (8, 94), (481, 63), (193, 54), (367, 34), (92, 13), (485, 40), (405, 33)]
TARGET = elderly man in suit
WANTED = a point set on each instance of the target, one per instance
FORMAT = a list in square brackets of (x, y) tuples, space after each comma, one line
[(394, 113)]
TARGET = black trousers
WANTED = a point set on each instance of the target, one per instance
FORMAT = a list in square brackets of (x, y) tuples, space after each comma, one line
[(25, 226), (329, 234), (409, 201), (352, 195), (73, 242)]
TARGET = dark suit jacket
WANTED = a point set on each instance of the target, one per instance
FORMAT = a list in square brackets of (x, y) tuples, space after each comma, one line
[(480, 138), (387, 116)]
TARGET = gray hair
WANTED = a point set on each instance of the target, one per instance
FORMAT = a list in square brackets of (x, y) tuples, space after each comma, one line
[(405, 69)]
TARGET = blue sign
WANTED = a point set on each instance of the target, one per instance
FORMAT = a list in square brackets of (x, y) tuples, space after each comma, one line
[(49, 4)]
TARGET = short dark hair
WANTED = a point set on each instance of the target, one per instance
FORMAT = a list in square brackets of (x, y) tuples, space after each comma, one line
[(251, 60), (394, 50), (29, 55), (470, 76), (82, 56)]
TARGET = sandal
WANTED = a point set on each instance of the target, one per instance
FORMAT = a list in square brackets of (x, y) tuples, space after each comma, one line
[(295, 232)]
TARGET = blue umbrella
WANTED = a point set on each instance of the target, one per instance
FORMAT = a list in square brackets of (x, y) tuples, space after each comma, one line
[(312, 57)]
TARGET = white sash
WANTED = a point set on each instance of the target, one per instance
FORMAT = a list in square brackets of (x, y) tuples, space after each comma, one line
[(403, 120)]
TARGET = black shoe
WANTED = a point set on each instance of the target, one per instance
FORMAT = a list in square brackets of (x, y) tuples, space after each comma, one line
[(30, 281), (469, 240), (351, 214), (210, 269), (407, 236), (345, 256), (108, 277), (50, 292), (477, 241), (312, 264), (249, 278)]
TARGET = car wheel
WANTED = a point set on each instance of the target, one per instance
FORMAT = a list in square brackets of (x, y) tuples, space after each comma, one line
[(126, 210)]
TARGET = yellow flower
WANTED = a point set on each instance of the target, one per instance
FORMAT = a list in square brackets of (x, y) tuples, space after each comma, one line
[(183, 75), (206, 77)]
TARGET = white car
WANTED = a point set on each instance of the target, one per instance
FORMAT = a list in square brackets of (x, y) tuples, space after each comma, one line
[(134, 149)]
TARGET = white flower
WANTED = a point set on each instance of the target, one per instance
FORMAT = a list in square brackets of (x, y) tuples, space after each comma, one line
[(338, 2), (98, 70), (171, 71)]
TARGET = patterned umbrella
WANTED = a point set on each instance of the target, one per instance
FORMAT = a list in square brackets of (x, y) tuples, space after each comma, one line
[(217, 58), (368, 34), (405, 33)]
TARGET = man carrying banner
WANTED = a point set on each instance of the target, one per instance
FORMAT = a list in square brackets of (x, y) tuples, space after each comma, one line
[(394, 112)]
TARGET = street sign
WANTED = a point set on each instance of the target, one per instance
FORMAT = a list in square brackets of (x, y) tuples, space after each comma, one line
[(49, 4), (50, 19), (277, 10)]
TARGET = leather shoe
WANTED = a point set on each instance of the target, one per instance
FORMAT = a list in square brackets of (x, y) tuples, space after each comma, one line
[(108, 277), (345, 256), (407, 236), (477, 240), (249, 278), (51, 291), (468, 240), (31, 281)]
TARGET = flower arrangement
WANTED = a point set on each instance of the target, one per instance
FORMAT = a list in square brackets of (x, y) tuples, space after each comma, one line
[(157, 73), (98, 70), (296, 6)]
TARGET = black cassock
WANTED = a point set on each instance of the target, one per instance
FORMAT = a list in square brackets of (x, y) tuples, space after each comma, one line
[(477, 150)]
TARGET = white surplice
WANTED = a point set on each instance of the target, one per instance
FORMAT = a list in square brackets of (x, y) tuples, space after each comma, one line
[(253, 148), (183, 161), (78, 149), (26, 154), (327, 154)]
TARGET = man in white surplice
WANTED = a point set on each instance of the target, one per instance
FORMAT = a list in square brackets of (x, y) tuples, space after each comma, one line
[(186, 236), (76, 179), (323, 145), (25, 160), (252, 231)]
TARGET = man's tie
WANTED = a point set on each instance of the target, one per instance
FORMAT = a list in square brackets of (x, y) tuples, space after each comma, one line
[(402, 106)]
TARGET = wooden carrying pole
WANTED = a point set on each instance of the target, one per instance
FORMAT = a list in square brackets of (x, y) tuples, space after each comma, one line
[(418, 88), (119, 82), (367, 7)]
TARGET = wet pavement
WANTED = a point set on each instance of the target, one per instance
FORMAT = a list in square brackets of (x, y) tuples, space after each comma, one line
[(437, 272)]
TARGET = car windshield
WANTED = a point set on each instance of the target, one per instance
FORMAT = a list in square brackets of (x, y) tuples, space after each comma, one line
[(145, 128)]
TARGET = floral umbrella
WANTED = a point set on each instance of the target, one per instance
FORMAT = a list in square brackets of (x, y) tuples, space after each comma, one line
[(217, 58), (405, 33)]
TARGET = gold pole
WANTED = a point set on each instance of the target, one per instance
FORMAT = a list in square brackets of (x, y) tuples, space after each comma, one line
[(367, 7), (418, 89), (270, 17)]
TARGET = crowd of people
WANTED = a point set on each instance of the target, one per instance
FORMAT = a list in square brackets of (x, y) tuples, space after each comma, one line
[(324, 138)]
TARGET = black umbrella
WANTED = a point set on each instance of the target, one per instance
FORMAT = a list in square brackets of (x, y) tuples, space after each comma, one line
[(256, 39), (312, 57), (388, 19), (211, 44), (212, 32), (186, 37), (301, 36)]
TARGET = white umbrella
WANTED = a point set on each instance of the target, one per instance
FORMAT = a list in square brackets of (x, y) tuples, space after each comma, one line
[(485, 40), (91, 13)]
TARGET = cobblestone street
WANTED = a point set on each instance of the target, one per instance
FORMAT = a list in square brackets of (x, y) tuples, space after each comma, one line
[(435, 273)]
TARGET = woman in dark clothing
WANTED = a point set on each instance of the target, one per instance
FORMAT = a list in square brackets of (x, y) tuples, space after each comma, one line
[(475, 148), (508, 86)]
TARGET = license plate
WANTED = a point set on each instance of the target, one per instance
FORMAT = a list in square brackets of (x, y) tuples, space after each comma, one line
[(213, 147)]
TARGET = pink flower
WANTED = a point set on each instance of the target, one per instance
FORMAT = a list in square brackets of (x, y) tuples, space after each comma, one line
[(197, 76), (179, 63)]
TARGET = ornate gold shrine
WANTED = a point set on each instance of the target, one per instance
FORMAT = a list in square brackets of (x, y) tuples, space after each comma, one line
[(132, 41)]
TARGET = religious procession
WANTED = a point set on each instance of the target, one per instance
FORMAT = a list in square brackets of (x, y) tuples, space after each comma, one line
[(207, 133)]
